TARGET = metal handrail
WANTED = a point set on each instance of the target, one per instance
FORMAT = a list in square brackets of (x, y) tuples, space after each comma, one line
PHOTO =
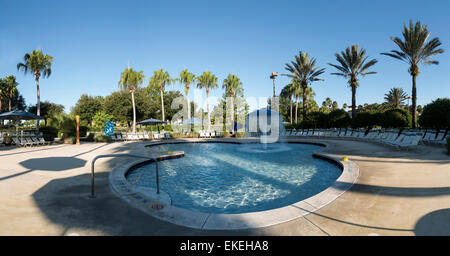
[(125, 155)]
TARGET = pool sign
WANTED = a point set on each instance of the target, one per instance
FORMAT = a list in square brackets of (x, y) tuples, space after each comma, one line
[(109, 128)]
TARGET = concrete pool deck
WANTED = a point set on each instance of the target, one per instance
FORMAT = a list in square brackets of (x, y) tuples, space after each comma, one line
[(44, 191)]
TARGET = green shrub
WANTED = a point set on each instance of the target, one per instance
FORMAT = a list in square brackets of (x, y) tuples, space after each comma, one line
[(396, 118), (436, 115), (369, 118), (102, 138), (239, 134), (339, 118), (70, 140), (315, 120), (49, 132)]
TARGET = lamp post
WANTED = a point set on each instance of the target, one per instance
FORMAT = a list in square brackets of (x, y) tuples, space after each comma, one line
[(273, 76)]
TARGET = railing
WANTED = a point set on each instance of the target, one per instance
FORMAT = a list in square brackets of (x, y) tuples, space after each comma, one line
[(125, 155)]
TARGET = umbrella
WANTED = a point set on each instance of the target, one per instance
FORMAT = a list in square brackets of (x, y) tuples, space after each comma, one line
[(193, 120), (151, 121), (19, 115)]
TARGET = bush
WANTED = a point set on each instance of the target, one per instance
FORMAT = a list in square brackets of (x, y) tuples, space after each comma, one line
[(396, 118), (368, 118), (102, 138), (436, 115), (315, 120), (339, 118), (70, 140), (49, 132)]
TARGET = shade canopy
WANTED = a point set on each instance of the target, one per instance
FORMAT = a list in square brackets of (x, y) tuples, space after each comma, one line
[(19, 115), (151, 121), (193, 120)]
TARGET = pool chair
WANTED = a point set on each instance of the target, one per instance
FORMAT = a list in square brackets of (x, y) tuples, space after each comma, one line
[(218, 135), (30, 141), (43, 142), (444, 139), (21, 142), (16, 142), (146, 137), (140, 136), (167, 135), (114, 137), (391, 137), (35, 140), (439, 137), (429, 135)]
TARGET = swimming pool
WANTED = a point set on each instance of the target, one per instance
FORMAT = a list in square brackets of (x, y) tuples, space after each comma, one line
[(238, 178)]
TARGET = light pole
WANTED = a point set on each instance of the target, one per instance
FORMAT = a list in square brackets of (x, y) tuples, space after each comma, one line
[(273, 76)]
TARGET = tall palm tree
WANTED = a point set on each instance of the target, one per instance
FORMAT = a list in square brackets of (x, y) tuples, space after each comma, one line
[(352, 63), (395, 97), (208, 81), (131, 80), (290, 91), (2, 92), (304, 70), (10, 89), (309, 96), (415, 50), (38, 64), (232, 85), (187, 79), (160, 79)]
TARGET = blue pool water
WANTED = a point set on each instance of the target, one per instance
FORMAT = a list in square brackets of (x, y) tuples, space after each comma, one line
[(238, 178)]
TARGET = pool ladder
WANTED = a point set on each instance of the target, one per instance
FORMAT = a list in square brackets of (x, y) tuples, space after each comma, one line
[(92, 195)]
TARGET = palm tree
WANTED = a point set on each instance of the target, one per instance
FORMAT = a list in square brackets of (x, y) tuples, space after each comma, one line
[(187, 79), (395, 97), (232, 85), (208, 81), (160, 79), (38, 64), (2, 92), (289, 89), (352, 64), (131, 80), (10, 89), (415, 50), (305, 72)]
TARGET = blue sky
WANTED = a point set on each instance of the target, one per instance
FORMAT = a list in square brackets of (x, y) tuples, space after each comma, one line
[(93, 41)]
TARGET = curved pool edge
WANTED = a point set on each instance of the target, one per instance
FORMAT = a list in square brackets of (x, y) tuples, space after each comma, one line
[(164, 210)]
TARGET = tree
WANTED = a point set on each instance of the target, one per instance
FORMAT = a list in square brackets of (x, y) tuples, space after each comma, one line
[(288, 92), (436, 114), (160, 79), (305, 72), (2, 92), (131, 80), (415, 50), (100, 118), (38, 64), (9, 89), (48, 110), (395, 97), (232, 84), (86, 107), (352, 63), (187, 79), (208, 81)]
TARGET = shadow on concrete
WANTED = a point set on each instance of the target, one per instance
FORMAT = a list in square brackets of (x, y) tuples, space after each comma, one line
[(395, 191), (53, 163), (42, 148), (65, 202), (435, 223)]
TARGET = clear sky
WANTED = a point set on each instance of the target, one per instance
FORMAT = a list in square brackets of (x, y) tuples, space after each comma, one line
[(93, 41)]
